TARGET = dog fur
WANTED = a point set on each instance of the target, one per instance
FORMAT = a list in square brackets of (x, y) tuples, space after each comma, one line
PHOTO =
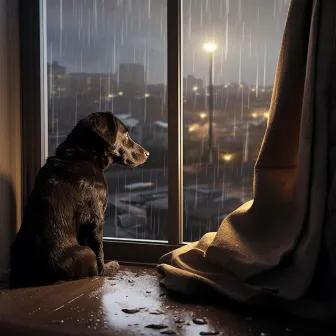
[(61, 236)]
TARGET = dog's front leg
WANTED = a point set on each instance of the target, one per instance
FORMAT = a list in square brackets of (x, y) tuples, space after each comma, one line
[(95, 242)]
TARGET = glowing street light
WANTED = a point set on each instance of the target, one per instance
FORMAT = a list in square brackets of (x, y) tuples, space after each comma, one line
[(210, 47), (193, 128), (120, 93), (203, 115), (147, 95), (227, 157), (195, 88)]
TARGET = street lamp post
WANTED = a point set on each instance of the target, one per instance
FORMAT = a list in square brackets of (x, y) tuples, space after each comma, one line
[(210, 49)]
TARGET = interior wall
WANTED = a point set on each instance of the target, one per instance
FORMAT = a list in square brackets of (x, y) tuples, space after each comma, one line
[(10, 130)]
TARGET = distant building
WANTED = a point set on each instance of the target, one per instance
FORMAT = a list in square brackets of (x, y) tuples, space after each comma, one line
[(131, 74), (98, 84), (192, 84), (57, 79), (154, 134), (156, 90)]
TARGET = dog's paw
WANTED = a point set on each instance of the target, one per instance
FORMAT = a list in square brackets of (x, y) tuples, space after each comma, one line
[(111, 268)]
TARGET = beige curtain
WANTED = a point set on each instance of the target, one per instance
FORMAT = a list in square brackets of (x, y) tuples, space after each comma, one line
[(267, 251)]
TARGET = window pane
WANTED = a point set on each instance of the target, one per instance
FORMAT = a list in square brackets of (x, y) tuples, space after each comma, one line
[(110, 55), (238, 42)]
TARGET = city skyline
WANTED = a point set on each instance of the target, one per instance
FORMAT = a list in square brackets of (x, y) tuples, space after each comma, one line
[(96, 36), (185, 77)]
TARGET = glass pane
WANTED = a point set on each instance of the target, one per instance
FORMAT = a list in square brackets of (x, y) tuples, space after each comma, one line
[(230, 52), (110, 55)]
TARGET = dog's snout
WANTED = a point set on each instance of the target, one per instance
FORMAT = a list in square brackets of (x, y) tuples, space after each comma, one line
[(146, 153)]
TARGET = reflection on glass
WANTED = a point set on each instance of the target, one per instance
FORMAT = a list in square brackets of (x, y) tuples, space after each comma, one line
[(110, 55), (225, 105)]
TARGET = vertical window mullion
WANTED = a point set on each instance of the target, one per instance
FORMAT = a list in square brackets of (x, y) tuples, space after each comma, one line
[(175, 123), (43, 83)]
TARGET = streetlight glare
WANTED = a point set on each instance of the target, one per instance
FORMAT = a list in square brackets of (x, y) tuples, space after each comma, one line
[(209, 47), (193, 128), (227, 157)]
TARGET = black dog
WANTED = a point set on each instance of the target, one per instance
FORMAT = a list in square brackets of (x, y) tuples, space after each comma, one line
[(61, 237)]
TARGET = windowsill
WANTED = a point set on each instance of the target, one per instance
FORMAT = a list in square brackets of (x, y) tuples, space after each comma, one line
[(95, 306)]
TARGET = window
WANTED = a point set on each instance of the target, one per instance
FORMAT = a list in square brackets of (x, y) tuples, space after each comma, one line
[(112, 56), (166, 69), (230, 51)]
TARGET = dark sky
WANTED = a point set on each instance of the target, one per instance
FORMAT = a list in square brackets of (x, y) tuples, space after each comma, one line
[(97, 35)]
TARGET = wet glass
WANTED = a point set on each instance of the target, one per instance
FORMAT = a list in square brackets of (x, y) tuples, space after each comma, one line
[(230, 52), (111, 55)]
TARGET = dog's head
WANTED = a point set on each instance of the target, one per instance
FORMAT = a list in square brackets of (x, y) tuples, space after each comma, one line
[(107, 138)]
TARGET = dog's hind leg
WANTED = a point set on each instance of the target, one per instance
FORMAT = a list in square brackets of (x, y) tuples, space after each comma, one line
[(75, 262), (95, 241)]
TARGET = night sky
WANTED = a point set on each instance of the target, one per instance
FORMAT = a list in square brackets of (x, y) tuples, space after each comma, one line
[(97, 35)]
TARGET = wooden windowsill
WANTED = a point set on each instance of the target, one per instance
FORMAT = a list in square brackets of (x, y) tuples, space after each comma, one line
[(94, 306)]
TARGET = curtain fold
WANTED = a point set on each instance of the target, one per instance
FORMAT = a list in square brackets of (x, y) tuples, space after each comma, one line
[(269, 249)]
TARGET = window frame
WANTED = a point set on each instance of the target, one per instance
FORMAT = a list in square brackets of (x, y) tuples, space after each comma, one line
[(33, 68)]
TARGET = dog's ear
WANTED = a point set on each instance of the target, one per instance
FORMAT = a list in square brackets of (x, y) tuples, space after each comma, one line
[(103, 124)]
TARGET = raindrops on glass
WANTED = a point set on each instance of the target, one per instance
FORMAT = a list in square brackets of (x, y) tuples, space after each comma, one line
[(111, 55)]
